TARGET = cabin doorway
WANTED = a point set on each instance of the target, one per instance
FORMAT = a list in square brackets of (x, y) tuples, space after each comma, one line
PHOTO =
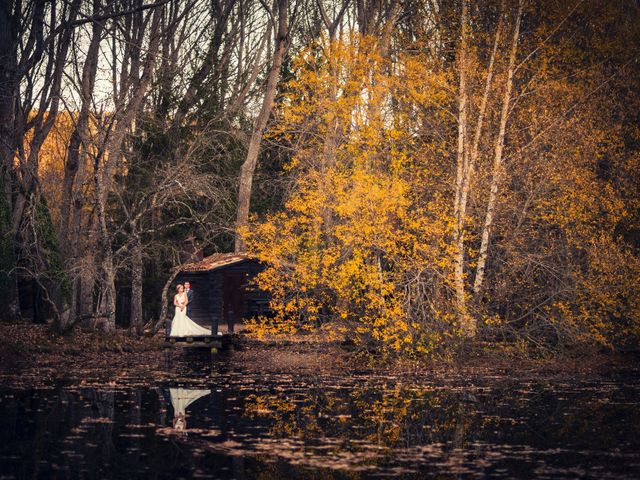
[(233, 299)]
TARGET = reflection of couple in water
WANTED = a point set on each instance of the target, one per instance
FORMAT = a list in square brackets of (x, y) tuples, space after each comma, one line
[(181, 398)]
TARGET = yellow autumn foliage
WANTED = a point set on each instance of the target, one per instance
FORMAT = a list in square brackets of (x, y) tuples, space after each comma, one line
[(52, 156), (364, 245), (354, 227)]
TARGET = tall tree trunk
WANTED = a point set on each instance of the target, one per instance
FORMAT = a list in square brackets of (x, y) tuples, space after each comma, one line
[(496, 174), (473, 154), (466, 322), (8, 101), (45, 116), (79, 137), (104, 167), (367, 13), (164, 299), (384, 49), (240, 94), (468, 160), (211, 59), (136, 286), (248, 167), (71, 206), (41, 253), (45, 259), (332, 25), (84, 297), (107, 306), (81, 256), (329, 149)]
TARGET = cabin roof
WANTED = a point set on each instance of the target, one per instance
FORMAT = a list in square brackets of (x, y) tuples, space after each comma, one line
[(215, 261)]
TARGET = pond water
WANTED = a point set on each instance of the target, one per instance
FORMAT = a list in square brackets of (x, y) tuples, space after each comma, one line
[(213, 421)]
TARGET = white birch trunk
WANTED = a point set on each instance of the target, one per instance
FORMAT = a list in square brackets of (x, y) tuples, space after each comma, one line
[(466, 323), (496, 174), (473, 155)]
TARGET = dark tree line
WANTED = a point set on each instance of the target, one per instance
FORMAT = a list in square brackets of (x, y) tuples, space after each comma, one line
[(156, 111)]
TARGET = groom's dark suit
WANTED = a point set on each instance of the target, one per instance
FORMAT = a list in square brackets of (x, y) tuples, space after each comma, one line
[(190, 296)]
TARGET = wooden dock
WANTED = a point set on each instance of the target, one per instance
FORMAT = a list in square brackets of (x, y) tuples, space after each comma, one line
[(212, 342)]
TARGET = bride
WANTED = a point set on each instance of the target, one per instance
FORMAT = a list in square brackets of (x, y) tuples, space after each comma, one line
[(183, 326)]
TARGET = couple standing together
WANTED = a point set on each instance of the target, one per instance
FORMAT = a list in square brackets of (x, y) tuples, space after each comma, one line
[(182, 325)]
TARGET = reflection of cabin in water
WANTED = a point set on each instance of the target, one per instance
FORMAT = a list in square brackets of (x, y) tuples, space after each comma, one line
[(223, 293)]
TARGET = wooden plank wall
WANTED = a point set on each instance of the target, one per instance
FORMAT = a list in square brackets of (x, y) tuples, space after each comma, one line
[(215, 303), (255, 301)]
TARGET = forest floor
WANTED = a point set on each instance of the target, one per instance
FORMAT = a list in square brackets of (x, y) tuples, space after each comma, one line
[(313, 354), (40, 355)]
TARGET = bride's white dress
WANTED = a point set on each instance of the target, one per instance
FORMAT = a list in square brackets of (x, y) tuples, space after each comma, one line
[(183, 326), (181, 398)]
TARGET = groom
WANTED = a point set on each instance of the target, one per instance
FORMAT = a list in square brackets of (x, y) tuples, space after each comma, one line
[(189, 292)]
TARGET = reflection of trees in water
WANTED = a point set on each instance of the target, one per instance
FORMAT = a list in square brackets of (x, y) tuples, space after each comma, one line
[(76, 430), (394, 417), (399, 415), (103, 406), (366, 425), (97, 431), (85, 428)]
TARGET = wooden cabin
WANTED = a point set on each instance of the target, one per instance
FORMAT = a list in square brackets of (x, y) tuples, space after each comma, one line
[(222, 290)]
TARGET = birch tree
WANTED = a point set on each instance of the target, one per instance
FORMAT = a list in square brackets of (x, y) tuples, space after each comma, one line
[(497, 170), (467, 323)]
